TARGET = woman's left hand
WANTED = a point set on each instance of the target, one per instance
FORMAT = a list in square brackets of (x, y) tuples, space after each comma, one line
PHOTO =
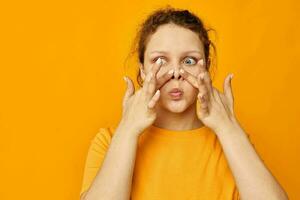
[(216, 108)]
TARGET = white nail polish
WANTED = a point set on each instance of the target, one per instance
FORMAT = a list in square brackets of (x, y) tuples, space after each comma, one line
[(201, 62), (159, 61), (157, 92)]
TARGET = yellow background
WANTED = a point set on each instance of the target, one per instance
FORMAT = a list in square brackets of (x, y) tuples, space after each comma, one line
[(61, 68)]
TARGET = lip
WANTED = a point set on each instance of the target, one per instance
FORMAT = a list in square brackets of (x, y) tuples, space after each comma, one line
[(176, 93)]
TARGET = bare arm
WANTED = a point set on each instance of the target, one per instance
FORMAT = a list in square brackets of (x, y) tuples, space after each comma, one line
[(254, 180), (113, 180)]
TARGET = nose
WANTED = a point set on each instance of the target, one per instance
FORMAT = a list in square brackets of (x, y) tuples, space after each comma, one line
[(176, 74)]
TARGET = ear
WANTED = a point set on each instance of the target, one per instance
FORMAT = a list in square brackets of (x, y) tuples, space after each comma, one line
[(142, 71)]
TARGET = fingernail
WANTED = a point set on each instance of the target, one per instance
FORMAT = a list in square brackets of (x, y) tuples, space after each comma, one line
[(201, 62), (231, 76), (159, 61), (125, 79), (171, 71), (181, 71)]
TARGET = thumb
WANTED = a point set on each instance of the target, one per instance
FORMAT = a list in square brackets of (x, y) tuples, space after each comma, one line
[(129, 91), (228, 89)]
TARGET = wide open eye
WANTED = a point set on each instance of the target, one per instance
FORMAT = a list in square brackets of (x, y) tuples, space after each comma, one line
[(190, 61)]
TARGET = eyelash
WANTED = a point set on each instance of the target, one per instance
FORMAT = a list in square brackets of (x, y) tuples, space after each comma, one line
[(195, 59)]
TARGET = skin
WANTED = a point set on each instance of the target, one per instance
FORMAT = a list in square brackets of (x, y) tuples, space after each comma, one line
[(175, 42), (201, 104)]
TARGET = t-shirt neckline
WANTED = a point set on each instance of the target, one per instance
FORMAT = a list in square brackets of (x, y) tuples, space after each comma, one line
[(155, 130)]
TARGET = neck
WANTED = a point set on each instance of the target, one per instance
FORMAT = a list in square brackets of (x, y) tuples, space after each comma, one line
[(186, 120)]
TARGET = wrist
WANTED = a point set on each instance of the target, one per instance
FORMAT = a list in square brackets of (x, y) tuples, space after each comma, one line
[(232, 126), (128, 129)]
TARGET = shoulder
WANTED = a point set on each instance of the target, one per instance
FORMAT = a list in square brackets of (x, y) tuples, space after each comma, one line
[(99, 143), (103, 135)]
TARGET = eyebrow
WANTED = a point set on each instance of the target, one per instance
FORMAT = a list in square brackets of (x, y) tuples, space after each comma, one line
[(191, 51)]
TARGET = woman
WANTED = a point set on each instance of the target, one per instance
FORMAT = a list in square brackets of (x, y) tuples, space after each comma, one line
[(178, 137)]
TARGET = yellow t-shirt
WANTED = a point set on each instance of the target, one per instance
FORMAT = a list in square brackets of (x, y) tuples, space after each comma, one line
[(183, 165)]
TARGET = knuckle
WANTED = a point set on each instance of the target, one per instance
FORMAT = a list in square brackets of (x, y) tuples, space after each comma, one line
[(159, 81), (202, 87), (148, 93)]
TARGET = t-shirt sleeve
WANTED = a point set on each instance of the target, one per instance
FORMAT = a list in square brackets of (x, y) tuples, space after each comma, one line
[(236, 194), (95, 156)]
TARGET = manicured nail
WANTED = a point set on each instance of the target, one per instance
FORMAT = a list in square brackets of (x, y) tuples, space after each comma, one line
[(157, 92), (201, 62), (159, 61)]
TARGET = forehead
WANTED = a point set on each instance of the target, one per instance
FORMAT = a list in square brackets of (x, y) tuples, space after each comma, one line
[(173, 38)]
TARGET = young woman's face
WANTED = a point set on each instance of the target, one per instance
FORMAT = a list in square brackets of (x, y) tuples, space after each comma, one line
[(179, 48)]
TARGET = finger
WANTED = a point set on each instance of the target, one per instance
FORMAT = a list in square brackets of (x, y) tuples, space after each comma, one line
[(228, 89), (151, 81), (204, 108), (154, 99), (203, 97), (203, 92), (164, 78), (206, 76), (156, 67), (202, 65), (147, 81), (189, 77), (129, 91), (207, 81), (203, 100)]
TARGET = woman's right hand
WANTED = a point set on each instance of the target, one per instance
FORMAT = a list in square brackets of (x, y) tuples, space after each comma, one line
[(139, 107)]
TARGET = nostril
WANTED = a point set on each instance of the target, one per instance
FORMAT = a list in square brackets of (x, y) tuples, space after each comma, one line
[(179, 76)]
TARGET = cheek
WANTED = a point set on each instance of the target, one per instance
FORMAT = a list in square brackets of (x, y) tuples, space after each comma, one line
[(189, 91), (195, 70)]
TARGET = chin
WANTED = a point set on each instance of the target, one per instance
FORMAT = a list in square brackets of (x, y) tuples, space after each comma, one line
[(175, 106)]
